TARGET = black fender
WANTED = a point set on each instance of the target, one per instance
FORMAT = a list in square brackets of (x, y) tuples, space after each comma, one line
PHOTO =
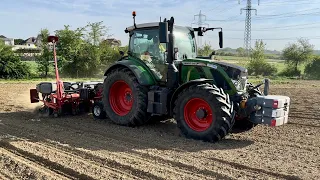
[(144, 77), (183, 86)]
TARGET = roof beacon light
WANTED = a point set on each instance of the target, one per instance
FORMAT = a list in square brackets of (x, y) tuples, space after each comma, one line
[(134, 18)]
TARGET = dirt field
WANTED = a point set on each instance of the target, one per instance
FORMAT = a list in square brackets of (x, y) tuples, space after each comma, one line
[(81, 148)]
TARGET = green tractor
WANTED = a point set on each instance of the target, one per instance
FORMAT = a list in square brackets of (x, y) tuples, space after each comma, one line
[(162, 77)]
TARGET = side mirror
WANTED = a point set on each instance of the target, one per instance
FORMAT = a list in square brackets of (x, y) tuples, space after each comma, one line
[(220, 39), (163, 32)]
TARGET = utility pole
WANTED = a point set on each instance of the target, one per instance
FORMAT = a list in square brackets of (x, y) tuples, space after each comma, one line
[(247, 32), (200, 23)]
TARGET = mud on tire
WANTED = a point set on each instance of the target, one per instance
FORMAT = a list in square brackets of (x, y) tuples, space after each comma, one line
[(125, 100), (199, 101)]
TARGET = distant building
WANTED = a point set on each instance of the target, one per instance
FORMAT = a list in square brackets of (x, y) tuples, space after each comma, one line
[(7, 41), (30, 42), (113, 42)]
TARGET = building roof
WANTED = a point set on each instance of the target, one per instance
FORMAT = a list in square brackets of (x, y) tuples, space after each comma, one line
[(113, 41), (30, 40)]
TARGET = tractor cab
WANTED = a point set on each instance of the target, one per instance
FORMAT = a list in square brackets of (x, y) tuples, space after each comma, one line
[(144, 44)]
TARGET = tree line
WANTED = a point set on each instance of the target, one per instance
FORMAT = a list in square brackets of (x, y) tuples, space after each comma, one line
[(81, 52), (297, 56), (84, 53)]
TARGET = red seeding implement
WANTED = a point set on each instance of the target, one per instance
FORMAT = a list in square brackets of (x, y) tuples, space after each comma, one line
[(67, 97)]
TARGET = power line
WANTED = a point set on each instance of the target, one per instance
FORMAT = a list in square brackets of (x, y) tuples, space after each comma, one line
[(289, 38), (275, 27), (284, 29), (247, 33), (200, 23), (308, 10)]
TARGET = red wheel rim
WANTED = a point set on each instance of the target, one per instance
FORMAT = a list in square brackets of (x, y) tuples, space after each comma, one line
[(198, 114), (120, 98)]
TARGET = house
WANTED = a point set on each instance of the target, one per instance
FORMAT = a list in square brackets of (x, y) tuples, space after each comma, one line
[(30, 42), (113, 42), (7, 41)]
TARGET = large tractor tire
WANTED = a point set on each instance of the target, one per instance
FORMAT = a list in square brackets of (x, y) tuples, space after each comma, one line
[(204, 112), (125, 100)]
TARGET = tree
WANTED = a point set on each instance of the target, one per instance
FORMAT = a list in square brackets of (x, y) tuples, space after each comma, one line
[(69, 47), (241, 51), (205, 51), (298, 53), (258, 64), (10, 64), (83, 50), (18, 41), (312, 68), (44, 60), (97, 33)]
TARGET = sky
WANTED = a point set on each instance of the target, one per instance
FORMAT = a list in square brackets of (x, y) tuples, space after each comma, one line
[(278, 22)]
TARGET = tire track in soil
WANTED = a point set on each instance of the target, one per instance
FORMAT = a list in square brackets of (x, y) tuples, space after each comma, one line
[(177, 168), (264, 140), (90, 168), (238, 168), (16, 165), (305, 125), (288, 135), (4, 176), (176, 149), (55, 167), (143, 143)]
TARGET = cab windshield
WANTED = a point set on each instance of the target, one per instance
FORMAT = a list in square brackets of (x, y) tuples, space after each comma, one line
[(185, 42), (145, 41)]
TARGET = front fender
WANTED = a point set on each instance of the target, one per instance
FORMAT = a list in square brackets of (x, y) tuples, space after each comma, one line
[(183, 86), (144, 77)]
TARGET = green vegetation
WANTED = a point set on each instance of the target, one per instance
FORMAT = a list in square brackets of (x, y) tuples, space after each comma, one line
[(312, 69), (83, 54), (298, 60), (11, 65), (257, 64)]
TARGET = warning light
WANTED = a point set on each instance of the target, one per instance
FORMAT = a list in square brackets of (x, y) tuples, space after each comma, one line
[(133, 13)]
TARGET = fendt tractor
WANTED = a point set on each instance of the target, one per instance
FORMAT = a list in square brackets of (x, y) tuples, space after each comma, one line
[(163, 77)]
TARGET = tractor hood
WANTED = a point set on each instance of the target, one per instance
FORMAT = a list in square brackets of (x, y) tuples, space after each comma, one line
[(234, 71)]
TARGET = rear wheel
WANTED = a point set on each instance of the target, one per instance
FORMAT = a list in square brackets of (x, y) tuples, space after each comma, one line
[(125, 100), (204, 112)]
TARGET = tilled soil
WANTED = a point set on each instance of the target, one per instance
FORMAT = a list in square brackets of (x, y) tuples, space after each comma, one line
[(82, 148)]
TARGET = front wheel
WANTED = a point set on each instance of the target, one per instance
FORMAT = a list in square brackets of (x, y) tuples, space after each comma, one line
[(98, 111), (204, 112)]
